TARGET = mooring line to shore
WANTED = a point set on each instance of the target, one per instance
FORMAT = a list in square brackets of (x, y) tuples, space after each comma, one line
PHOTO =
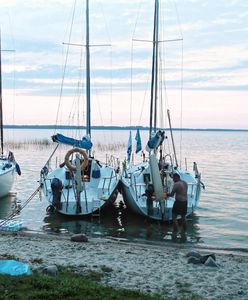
[(17, 211)]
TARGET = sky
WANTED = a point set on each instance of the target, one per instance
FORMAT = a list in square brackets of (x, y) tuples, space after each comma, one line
[(205, 69)]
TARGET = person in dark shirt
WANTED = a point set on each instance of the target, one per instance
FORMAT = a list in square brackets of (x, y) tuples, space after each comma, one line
[(180, 189)]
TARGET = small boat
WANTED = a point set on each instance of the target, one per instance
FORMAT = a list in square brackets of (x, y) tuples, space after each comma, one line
[(81, 185), (8, 165), (144, 184)]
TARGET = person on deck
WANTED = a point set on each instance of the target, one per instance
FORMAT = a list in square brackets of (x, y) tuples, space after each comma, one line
[(179, 189)]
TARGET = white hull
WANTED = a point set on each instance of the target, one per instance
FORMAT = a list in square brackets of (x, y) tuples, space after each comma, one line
[(7, 175), (99, 189), (134, 186)]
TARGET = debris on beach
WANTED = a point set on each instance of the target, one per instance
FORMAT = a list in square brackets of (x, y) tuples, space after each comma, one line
[(14, 267), (196, 258), (79, 237), (10, 225)]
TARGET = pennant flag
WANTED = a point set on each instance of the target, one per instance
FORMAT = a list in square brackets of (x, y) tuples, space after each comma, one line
[(138, 142), (129, 147)]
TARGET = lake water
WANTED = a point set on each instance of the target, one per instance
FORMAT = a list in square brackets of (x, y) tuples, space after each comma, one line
[(220, 220)]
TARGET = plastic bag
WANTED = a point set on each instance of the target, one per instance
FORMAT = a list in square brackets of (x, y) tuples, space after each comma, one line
[(14, 267)]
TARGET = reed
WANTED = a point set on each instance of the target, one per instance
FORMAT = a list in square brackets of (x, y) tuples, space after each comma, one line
[(103, 147)]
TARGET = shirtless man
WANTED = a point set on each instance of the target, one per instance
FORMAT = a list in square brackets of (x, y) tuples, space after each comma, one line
[(180, 189)]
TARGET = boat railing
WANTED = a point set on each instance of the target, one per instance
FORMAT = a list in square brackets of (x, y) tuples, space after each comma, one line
[(47, 164), (109, 179), (170, 158), (112, 161)]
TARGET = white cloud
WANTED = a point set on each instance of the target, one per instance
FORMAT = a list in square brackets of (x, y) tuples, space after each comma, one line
[(215, 49)]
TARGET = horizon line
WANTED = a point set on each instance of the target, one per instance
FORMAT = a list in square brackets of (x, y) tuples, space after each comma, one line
[(11, 126)]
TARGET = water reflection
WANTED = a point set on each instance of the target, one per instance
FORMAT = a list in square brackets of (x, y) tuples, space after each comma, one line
[(9, 204), (119, 222), (115, 222)]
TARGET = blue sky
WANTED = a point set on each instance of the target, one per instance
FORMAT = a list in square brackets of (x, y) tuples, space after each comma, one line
[(215, 60)]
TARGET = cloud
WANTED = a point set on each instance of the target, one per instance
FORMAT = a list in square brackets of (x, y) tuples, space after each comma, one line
[(214, 48)]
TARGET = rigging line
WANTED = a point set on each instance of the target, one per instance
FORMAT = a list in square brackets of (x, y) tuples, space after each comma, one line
[(161, 119), (105, 22), (144, 99), (178, 20), (131, 89), (181, 115), (172, 138), (64, 69), (75, 111), (1, 96), (14, 67), (111, 65), (17, 211), (14, 91), (111, 89), (182, 81), (131, 70)]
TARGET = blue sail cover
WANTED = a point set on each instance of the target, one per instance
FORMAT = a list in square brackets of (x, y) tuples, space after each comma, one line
[(85, 143), (155, 141)]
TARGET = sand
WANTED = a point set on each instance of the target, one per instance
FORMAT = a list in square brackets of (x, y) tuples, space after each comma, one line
[(148, 268)]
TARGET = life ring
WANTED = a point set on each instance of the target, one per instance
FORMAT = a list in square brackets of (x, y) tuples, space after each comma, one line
[(72, 167)]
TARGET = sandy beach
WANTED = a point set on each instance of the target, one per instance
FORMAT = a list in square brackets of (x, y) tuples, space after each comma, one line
[(147, 268)]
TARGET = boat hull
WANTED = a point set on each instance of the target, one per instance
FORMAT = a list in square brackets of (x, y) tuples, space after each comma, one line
[(98, 190), (133, 188), (6, 177)]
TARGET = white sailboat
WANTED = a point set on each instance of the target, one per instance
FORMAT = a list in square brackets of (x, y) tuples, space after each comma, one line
[(144, 184), (81, 185), (8, 165)]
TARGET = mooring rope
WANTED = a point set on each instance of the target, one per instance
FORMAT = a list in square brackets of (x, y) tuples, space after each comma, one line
[(17, 211)]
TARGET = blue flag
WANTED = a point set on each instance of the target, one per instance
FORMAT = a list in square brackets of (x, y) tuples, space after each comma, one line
[(138, 142), (129, 147)]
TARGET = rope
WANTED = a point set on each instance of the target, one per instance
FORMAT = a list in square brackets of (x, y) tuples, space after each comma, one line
[(17, 211)]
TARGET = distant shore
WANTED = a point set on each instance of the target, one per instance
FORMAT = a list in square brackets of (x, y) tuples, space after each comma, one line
[(148, 268), (117, 128)]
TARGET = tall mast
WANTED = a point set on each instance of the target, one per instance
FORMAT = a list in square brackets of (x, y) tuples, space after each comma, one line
[(88, 110), (154, 81), (1, 100)]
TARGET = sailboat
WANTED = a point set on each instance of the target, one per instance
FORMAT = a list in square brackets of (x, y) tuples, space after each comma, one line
[(81, 185), (8, 165), (144, 184)]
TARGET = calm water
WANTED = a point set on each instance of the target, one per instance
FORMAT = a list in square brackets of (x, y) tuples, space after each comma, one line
[(220, 221)]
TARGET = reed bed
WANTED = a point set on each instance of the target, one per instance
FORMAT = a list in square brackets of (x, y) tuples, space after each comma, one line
[(110, 146), (44, 143), (26, 143)]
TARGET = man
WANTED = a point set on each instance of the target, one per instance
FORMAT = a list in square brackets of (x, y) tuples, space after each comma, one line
[(180, 189)]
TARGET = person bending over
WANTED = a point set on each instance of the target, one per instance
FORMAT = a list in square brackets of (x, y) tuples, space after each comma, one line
[(179, 189)]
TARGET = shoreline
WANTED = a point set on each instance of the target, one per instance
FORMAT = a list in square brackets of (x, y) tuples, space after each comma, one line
[(147, 268)]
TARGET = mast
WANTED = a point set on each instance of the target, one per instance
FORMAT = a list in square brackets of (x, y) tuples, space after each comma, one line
[(1, 100), (88, 110), (154, 81)]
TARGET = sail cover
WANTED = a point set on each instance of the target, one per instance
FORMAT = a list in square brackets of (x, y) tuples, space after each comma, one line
[(155, 141), (85, 143)]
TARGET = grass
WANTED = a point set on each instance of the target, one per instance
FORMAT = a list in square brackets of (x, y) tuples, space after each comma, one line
[(184, 289), (67, 285)]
